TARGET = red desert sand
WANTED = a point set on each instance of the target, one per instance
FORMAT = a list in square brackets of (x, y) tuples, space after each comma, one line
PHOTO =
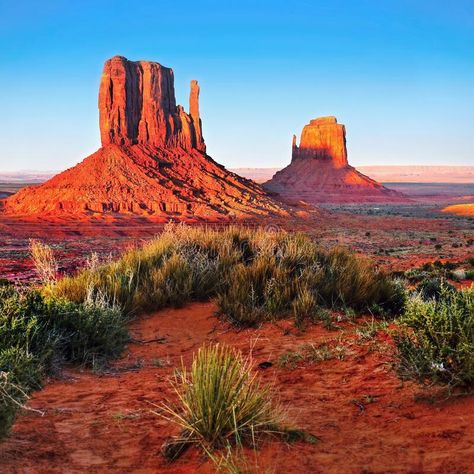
[(365, 418)]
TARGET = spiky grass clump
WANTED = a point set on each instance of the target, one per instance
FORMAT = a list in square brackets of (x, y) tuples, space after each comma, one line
[(438, 345), (221, 401)]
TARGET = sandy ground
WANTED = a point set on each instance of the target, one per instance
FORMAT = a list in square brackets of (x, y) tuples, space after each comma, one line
[(366, 419), (396, 236)]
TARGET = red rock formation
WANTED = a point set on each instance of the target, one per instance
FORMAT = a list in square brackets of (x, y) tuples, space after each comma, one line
[(323, 139), (319, 170), (137, 104), (194, 112), (152, 161)]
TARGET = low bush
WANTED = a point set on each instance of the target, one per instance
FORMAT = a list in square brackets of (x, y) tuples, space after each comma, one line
[(431, 288), (281, 281), (437, 344), (38, 333), (255, 275), (12, 398)]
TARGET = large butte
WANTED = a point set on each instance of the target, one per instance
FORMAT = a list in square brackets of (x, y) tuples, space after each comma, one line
[(152, 162)]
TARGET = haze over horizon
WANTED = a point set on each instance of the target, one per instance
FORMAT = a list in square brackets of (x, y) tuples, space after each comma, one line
[(400, 76)]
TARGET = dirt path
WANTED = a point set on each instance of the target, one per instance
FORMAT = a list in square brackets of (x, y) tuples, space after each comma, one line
[(367, 421)]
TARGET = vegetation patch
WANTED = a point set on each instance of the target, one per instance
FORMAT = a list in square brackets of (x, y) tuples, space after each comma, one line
[(38, 334), (437, 345), (312, 354), (255, 276), (221, 400)]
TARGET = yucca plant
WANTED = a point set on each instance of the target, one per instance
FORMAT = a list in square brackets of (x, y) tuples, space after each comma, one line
[(220, 401)]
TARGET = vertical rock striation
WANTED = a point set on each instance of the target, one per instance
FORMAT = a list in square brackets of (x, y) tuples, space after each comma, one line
[(137, 105)]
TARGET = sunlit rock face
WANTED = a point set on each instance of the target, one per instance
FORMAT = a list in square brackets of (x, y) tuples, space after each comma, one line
[(152, 162), (322, 139), (319, 171), (137, 104)]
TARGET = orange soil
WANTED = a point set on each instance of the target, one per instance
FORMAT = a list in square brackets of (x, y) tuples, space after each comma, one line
[(461, 209), (102, 423), (409, 239)]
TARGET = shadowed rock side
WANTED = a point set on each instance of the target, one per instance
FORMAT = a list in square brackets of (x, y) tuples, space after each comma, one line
[(152, 162), (319, 171)]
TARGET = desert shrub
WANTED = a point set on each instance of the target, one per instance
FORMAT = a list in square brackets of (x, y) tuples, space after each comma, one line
[(44, 261), (295, 276), (180, 265), (37, 333), (347, 280), (438, 342), (12, 398), (255, 275), (256, 292), (220, 401), (48, 327), (432, 287)]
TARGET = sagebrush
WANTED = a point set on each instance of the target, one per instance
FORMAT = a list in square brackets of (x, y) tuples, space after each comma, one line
[(255, 275), (438, 343)]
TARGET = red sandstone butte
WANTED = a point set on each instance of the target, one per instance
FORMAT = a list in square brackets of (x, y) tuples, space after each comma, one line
[(319, 171), (152, 162)]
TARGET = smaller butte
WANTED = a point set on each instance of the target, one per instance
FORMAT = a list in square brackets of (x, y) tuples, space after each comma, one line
[(319, 171)]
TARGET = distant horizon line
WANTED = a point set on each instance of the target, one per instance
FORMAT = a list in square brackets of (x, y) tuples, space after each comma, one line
[(49, 171)]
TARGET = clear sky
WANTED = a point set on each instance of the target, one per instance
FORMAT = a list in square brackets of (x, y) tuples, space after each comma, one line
[(398, 73)]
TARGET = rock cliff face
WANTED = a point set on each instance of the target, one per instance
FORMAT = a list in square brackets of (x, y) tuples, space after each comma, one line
[(322, 139), (137, 104), (152, 161), (319, 171)]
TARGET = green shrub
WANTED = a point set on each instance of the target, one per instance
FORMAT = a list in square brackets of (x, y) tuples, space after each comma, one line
[(47, 327), (12, 397), (221, 400), (431, 288), (299, 279), (255, 275), (438, 343), (37, 333)]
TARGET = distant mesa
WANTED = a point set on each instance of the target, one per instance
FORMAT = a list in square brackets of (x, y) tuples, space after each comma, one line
[(319, 171), (152, 162), (466, 210)]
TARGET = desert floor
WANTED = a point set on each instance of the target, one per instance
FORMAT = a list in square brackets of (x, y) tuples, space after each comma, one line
[(365, 418)]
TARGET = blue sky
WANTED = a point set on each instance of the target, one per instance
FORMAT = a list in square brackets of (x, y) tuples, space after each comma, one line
[(398, 73)]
